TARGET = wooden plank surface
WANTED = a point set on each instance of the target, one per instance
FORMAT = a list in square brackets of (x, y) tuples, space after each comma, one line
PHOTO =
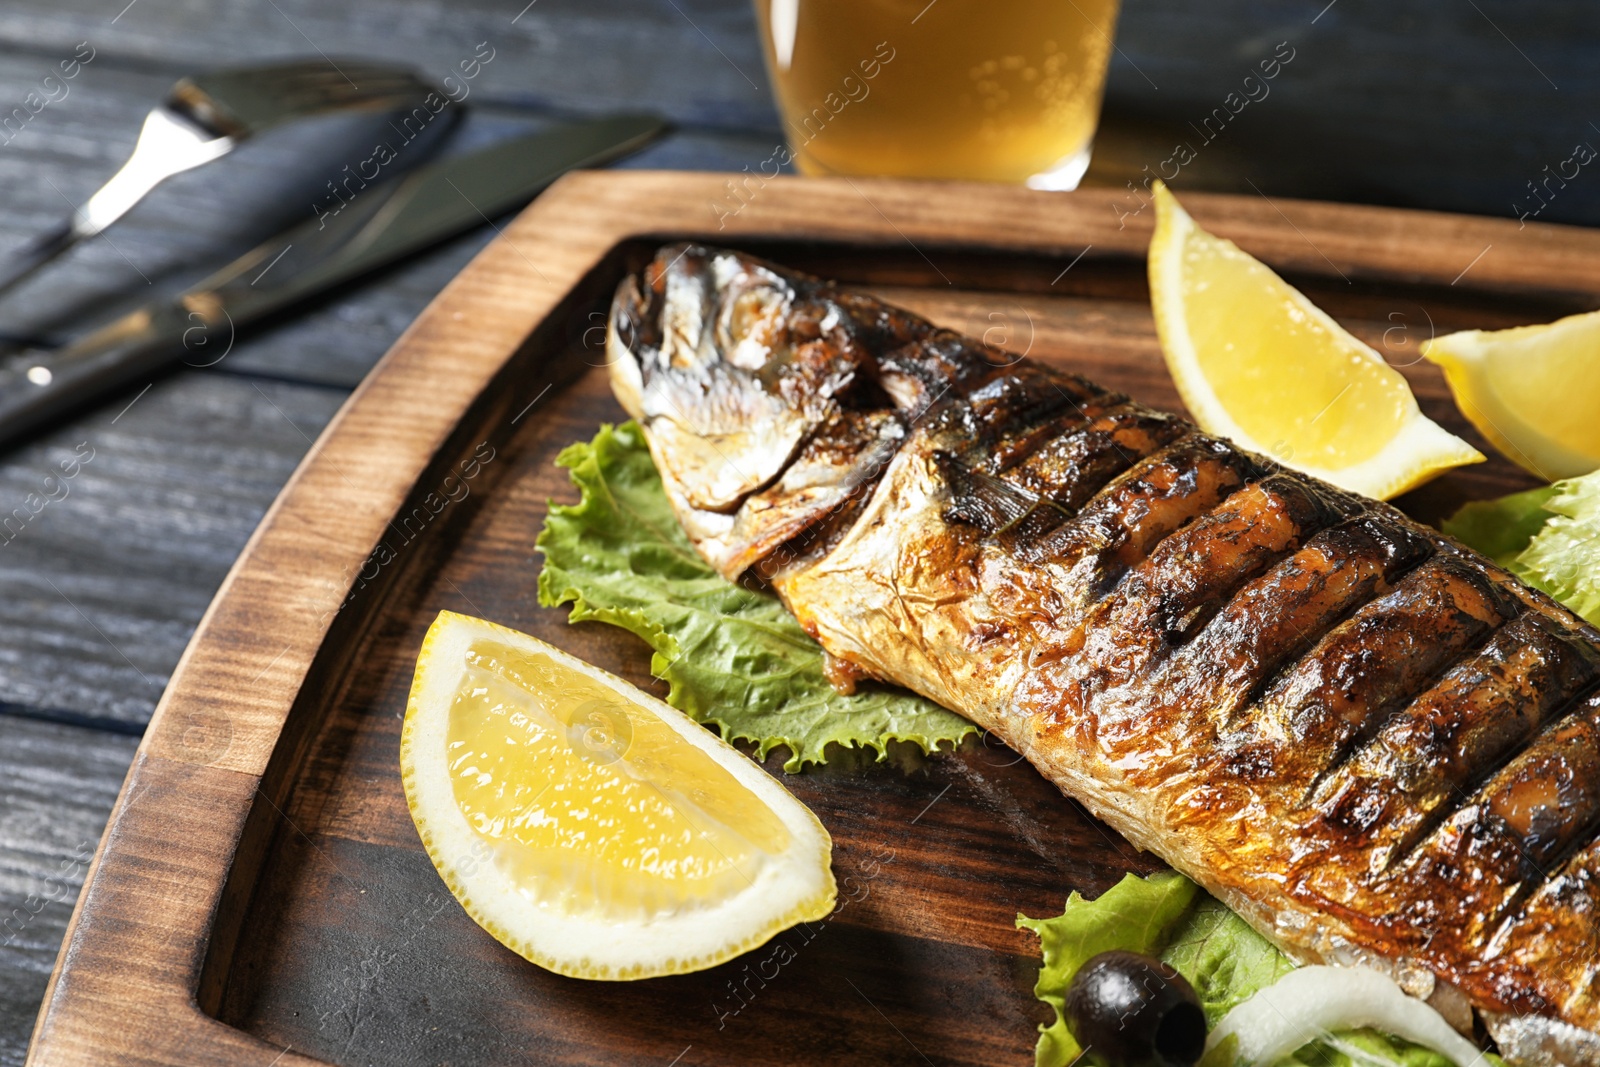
[(344, 949), (1455, 107), (60, 782), (1401, 102), (1407, 103), (105, 584), (72, 145), (90, 634)]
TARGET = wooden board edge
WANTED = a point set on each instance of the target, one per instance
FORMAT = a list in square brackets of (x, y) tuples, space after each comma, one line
[(222, 711), (234, 688), (1350, 241), (137, 986)]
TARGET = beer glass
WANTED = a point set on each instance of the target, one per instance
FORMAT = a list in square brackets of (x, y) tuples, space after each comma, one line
[(990, 90)]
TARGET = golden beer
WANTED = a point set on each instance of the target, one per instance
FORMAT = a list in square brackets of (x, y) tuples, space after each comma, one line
[(993, 90)]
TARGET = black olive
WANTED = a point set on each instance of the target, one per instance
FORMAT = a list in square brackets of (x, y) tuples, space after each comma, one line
[(1128, 1010)]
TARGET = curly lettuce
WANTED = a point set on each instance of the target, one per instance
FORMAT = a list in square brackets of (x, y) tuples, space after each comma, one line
[(734, 657), (1549, 537)]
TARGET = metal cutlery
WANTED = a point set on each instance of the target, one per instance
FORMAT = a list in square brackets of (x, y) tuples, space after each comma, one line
[(380, 225), (204, 118)]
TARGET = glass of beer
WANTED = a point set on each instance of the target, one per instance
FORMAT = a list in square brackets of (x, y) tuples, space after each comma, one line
[(990, 90)]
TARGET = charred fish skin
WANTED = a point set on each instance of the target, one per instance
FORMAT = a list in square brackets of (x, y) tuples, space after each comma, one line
[(1371, 742)]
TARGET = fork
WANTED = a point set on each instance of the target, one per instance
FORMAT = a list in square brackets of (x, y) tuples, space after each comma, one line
[(204, 118)]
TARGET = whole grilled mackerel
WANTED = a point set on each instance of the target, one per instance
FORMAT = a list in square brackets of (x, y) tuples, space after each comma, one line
[(1371, 742)]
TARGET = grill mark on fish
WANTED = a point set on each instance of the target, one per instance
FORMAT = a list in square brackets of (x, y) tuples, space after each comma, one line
[(1563, 912), (980, 499), (940, 364), (1473, 639), (1122, 524), (1358, 734), (1014, 401), (1071, 468), (1185, 578), (1065, 471), (1044, 465), (1193, 570), (1475, 633), (1273, 621), (1355, 677), (1020, 445), (1493, 855), (1428, 761), (1549, 796)]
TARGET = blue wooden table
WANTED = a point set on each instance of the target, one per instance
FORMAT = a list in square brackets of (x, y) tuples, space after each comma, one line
[(1484, 106)]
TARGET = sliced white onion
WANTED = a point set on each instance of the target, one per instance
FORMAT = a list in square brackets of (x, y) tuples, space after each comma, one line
[(1308, 1002)]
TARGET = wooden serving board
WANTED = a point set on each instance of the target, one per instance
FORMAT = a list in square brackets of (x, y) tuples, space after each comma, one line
[(260, 896)]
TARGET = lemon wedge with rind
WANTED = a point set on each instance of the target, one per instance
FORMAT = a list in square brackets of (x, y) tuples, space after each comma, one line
[(1533, 391), (1260, 364), (590, 827)]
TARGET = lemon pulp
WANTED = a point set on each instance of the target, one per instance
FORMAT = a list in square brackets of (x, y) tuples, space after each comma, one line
[(585, 824), (1532, 390), (588, 806), (1291, 378), (1259, 363)]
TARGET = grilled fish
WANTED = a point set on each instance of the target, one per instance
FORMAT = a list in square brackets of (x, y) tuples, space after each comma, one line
[(1372, 743)]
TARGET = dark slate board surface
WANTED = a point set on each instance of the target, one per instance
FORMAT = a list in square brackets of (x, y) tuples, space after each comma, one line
[(1419, 102)]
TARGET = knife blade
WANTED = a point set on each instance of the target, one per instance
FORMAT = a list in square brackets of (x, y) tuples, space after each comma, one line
[(377, 226)]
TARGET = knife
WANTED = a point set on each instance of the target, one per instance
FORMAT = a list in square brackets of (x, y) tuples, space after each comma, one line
[(377, 226)]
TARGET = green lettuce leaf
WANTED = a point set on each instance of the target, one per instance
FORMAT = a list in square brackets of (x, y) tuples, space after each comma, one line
[(1502, 528), (1134, 915), (1549, 537), (1222, 956), (734, 657), (1563, 558)]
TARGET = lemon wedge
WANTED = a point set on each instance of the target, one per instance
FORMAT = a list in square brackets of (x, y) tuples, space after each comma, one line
[(588, 826), (1258, 363), (1533, 391)]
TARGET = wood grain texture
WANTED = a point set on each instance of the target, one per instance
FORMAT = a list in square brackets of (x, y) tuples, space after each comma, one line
[(300, 910), (337, 341), (695, 61), (105, 585), (149, 954), (349, 915), (108, 571), (1404, 102), (1407, 103), (144, 556), (60, 783), (1452, 107), (182, 231), (561, 55)]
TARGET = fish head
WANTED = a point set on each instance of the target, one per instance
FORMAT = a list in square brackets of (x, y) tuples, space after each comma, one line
[(715, 355)]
